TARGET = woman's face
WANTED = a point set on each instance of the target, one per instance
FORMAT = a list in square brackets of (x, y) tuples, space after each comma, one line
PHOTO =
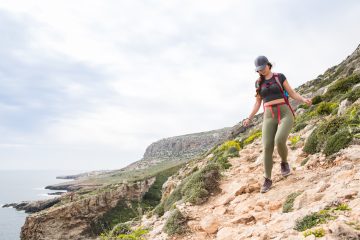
[(265, 71)]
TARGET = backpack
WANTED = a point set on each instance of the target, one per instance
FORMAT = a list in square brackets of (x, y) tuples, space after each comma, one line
[(283, 91)]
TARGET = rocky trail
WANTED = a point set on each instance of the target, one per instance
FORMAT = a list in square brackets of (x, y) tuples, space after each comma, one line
[(240, 211)]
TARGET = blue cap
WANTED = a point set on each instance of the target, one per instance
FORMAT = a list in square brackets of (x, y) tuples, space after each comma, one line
[(260, 63)]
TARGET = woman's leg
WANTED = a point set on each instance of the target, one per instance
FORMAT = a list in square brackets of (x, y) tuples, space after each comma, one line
[(283, 131), (269, 128)]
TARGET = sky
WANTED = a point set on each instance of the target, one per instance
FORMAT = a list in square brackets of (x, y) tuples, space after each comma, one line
[(88, 85)]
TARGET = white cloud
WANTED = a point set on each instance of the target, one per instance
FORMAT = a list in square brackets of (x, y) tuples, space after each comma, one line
[(118, 75)]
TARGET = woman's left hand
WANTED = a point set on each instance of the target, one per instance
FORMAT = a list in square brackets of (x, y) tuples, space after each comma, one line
[(307, 101)]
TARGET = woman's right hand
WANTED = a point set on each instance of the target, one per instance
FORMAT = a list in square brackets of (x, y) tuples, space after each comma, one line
[(246, 122)]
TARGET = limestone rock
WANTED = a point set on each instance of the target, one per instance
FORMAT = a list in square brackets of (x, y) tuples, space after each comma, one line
[(227, 233), (245, 218), (210, 224)]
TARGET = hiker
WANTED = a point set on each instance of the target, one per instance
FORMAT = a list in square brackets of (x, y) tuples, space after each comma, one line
[(274, 90)]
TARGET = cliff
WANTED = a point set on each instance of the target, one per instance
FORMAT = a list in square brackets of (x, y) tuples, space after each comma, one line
[(76, 217)]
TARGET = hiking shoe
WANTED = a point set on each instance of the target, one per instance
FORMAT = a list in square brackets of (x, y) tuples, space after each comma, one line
[(285, 169), (266, 186)]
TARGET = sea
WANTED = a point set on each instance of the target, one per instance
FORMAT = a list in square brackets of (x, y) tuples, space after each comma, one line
[(24, 185)]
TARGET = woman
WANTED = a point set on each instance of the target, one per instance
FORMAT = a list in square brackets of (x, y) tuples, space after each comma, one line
[(274, 130)]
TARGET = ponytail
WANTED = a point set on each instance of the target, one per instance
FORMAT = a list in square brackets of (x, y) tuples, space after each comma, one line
[(260, 80)]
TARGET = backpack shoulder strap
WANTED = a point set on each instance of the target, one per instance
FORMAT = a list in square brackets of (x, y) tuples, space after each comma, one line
[(276, 75)]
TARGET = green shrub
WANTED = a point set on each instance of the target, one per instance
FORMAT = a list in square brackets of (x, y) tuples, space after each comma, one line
[(159, 209), (294, 140), (319, 232), (326, 108), (312, 219), (232, 152), (228, 144), (338, 141), (351, 95), (311, 143), (317, 99), (195, 188), (335, 110), (254, 135), (333, 134), (222, 161), (121, 228), (354, 95), (124, 232), (199, 186), (223, 152), (299, 126), (122, 212), (331, 126), (289, 202), (304, 106), (352, 115), (341, 86), (322, 216), (342, 207), (175, 224)]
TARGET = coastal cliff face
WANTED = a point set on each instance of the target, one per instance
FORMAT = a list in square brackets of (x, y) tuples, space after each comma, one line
[(74, 219), (181, 148)]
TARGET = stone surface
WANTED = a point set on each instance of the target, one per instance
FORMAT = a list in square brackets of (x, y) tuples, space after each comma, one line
[(209, 224)]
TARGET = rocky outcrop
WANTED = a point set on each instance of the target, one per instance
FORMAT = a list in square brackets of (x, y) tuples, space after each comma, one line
[(180, 148), (73, 219), (74, 185), (33, 206)]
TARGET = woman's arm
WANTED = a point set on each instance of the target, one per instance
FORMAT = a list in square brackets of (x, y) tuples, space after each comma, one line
[(257, 104), (256, 107)]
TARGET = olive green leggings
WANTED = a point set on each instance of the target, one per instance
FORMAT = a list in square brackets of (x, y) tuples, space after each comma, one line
[(274, 133)]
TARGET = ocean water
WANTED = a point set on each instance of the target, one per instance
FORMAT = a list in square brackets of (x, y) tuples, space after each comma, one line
[(23, 185)]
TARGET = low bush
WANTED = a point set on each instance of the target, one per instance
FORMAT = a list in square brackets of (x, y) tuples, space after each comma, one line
[(317, 99), (341, 86), (326, 108), (311, 143), (319, 232), (289, 202), (312, 219), (338, 141), (224, 151), (322, 216), (175, 224), (252, 136)]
